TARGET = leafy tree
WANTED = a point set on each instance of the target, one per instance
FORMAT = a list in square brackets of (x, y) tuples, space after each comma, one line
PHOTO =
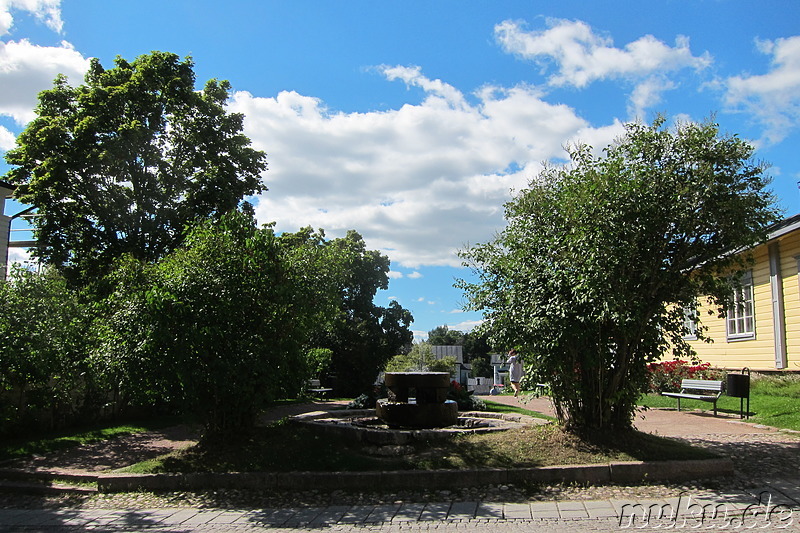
[(219, 326), (476, 352), (590, 276), (475, 347), (420, 359), (122, 164), (362, 336), (44, 334), (318, 360), (444, 336)]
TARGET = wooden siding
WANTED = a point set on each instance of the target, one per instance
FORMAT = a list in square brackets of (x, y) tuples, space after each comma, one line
[(758, 353)]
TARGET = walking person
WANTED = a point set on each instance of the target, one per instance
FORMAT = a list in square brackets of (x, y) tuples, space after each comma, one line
[(515, 371)]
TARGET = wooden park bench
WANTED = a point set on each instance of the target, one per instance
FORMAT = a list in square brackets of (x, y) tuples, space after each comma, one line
[(316, 389), (698, 389)]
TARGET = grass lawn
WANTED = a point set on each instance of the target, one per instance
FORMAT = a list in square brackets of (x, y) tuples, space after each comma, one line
[(287, 446), (503, 408), (48, 443), (774, 401)]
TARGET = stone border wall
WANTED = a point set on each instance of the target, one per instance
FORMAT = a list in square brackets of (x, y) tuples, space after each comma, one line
[(615, 472)]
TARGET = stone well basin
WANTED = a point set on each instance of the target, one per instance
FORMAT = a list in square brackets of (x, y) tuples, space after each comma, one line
[(363, 426)]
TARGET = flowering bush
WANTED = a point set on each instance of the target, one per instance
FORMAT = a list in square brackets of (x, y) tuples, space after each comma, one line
[(666, 376), (465, 399)]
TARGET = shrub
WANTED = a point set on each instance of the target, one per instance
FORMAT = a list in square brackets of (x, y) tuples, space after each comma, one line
[(666, 376), (368, 400), (465, 399), (44, 337)]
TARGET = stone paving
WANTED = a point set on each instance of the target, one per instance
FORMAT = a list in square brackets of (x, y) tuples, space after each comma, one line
[(723, 512), (767, 498)]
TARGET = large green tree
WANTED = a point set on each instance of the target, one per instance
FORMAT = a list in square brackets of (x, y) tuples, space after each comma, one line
[(219, 327), (599, 257), (362, 336), (123, 163)]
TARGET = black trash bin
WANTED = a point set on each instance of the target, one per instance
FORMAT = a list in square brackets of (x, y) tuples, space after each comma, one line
[(738, 386)]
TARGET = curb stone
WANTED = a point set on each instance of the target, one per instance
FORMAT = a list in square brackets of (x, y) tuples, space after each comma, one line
[(615, 472)]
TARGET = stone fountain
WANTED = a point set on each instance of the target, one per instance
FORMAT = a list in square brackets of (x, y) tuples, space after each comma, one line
[(417, 409), (417, 400)]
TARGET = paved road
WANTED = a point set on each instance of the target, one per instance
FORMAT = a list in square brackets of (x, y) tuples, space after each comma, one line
[(771, 506)]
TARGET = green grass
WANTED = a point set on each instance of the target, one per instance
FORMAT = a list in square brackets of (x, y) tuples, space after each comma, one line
[(774, 401), (48, 443), (497, 407), (286, 446)]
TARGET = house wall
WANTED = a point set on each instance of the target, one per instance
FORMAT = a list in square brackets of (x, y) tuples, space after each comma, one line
[(5, 222), (790, 258), (759, 353)]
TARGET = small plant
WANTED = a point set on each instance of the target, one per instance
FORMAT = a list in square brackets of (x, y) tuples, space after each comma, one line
[(466, 400), (368, 400), (666, 376)]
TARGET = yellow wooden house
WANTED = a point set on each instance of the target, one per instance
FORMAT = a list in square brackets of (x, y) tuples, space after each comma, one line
[(762, 330)]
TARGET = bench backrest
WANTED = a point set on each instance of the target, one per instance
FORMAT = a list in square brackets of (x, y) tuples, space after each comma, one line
[(701, 384)]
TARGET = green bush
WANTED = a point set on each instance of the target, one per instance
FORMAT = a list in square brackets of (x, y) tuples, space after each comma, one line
[(368, 400), (466, 400), (233, 309), (45, 336)]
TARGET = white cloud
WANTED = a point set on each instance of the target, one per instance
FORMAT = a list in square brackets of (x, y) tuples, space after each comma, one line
[(27, 69), (7, 139), (420, 335), (20, 257), (418, 182), (394, 274), (415, 275), (581, 56), (772, 98), (46, 11), (436, 89), (466, 326), (647, 95)]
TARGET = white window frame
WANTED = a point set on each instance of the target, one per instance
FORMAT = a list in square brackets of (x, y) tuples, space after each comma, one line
[(690, 323), (740, 319)]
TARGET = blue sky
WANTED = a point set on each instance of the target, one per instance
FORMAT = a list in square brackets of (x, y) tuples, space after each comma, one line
[(412, 121)]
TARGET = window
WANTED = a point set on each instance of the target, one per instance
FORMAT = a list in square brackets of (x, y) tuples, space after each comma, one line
[(741, 322), (690, 323)]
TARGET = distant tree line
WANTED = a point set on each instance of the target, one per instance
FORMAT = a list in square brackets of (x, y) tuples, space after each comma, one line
[(475, 346)]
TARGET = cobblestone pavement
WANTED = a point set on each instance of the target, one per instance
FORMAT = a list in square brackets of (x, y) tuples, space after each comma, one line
[(720, 512), (763, 495)]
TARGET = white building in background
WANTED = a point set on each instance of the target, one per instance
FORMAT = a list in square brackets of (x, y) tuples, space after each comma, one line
[(6, 190), (480, 385), (6, 242), (462, 370)]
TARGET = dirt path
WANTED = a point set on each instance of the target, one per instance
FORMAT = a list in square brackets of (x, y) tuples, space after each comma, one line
[(126, 450), (757, 451)]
